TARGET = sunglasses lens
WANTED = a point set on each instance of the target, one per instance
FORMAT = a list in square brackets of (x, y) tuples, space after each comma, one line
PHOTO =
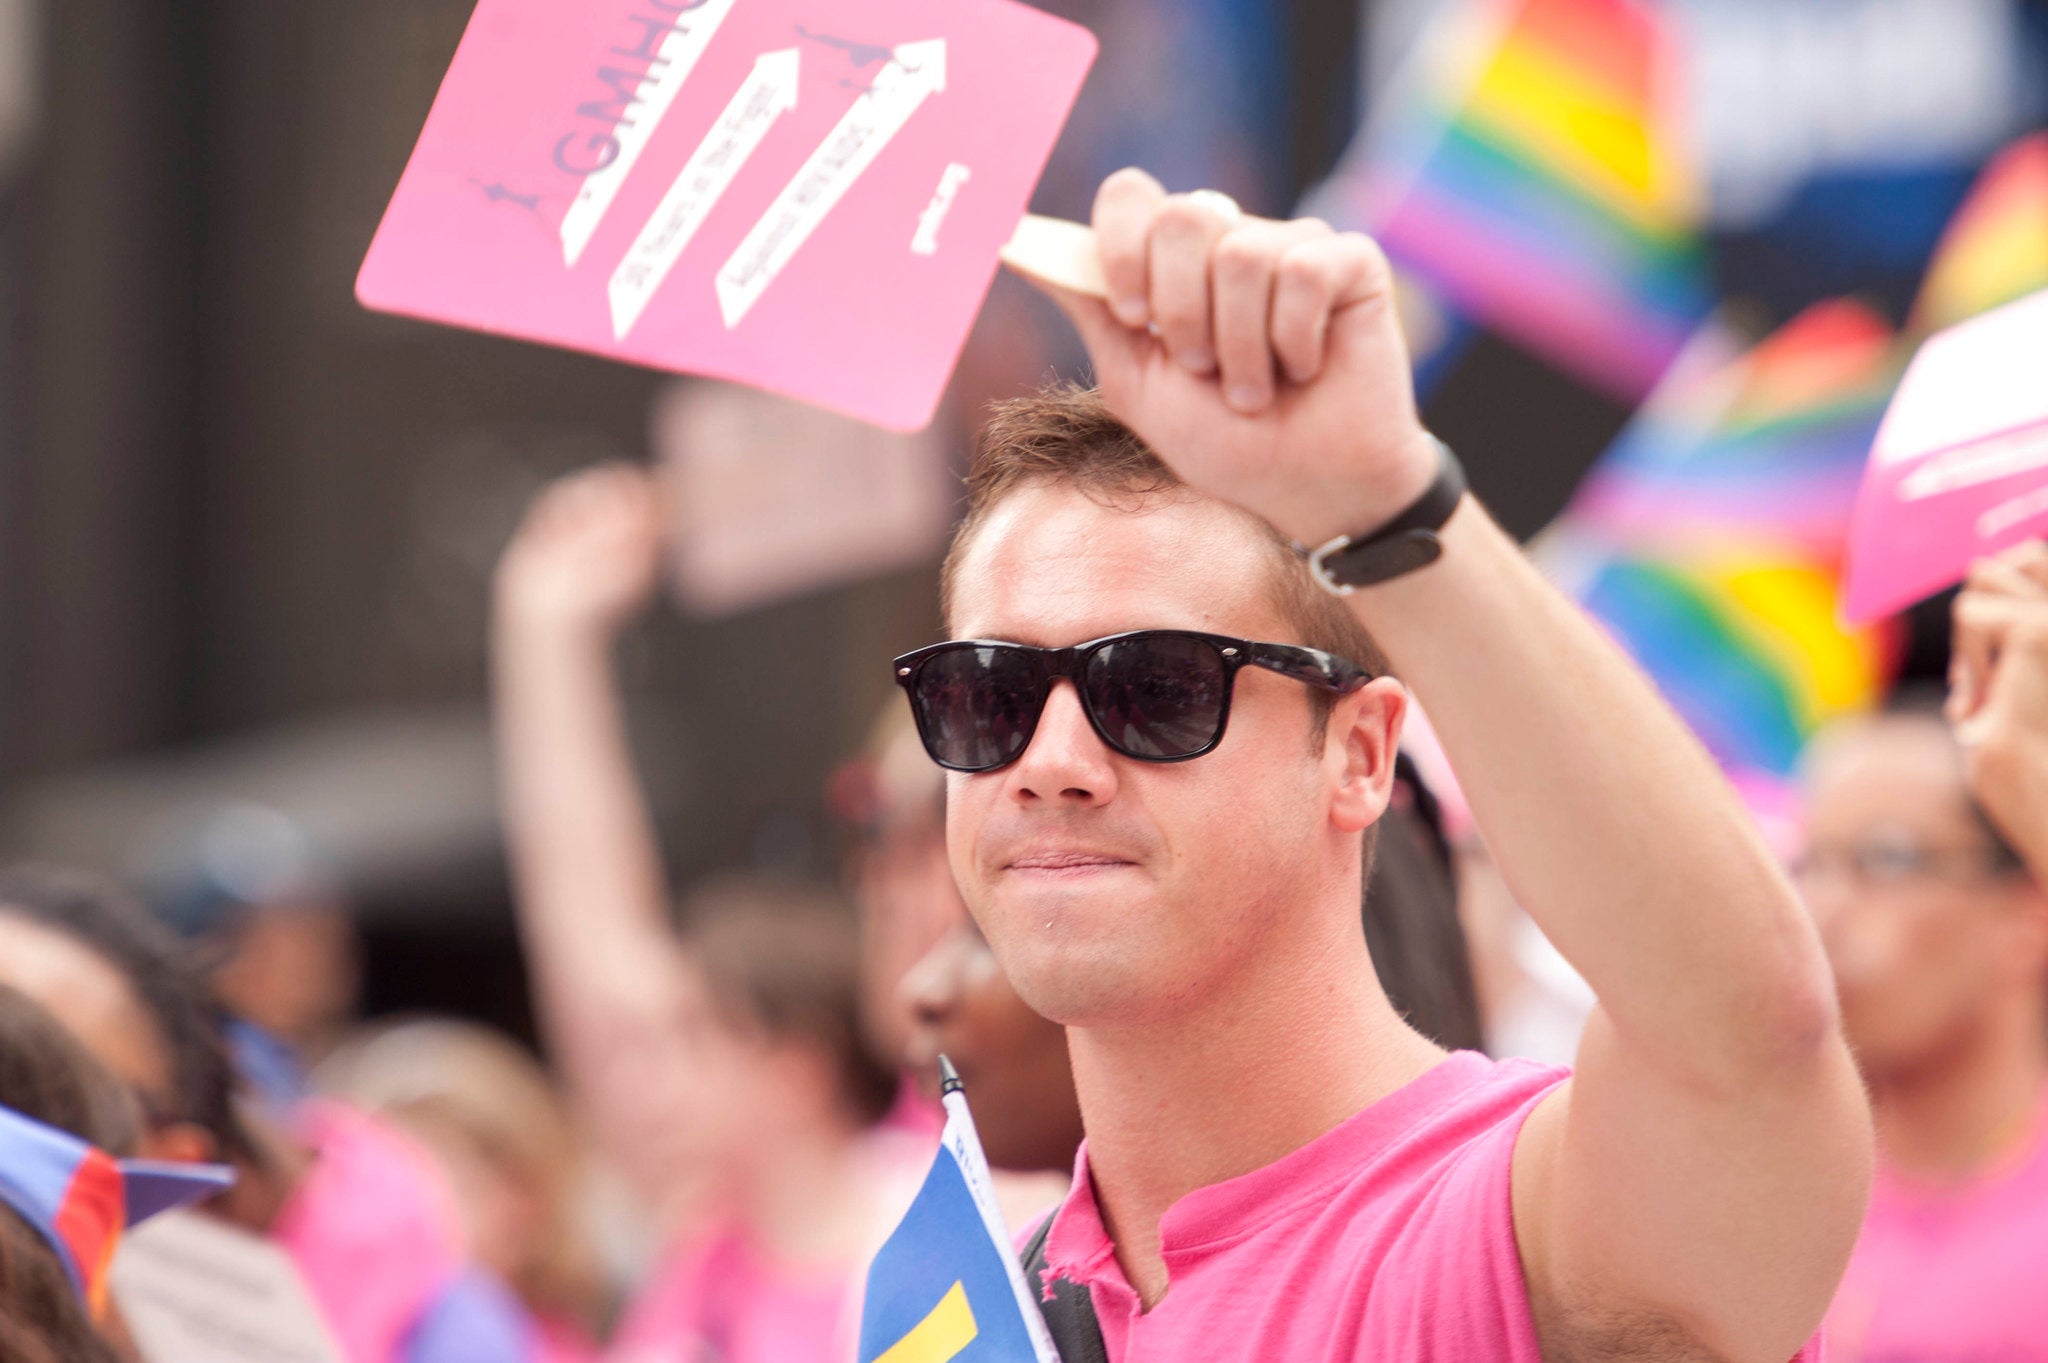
[(1158, 696), (976, 707)]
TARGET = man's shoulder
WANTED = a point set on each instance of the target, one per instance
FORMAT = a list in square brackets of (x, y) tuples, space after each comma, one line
[(1484, 1085), (1434, 1192), (1470, 1098), (1437, 1154), (1422, 1229)]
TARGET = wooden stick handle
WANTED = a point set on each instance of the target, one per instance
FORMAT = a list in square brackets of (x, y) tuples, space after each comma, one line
[(1058, 253)]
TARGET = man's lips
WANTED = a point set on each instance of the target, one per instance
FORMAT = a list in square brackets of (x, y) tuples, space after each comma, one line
[(1075, 862)]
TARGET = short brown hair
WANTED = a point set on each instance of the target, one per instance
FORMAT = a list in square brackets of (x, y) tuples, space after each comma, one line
[(1067, 435)]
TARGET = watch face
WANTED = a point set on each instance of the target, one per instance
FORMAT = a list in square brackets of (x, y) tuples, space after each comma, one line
[(1387, 558)]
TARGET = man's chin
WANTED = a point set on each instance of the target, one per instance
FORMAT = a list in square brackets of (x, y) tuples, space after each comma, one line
[(1079, 985)]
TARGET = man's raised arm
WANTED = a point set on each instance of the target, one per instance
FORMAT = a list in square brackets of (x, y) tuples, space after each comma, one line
[(586, 867), (1696, 1189)]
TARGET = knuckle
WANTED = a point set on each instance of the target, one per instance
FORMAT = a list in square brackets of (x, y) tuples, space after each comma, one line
[(1182, 219), (1296, 337), (1130, 182), (1368, 251), (1242, 257), (1302, 271)]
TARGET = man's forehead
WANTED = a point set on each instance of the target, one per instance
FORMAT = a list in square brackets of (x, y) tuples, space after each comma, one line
[(1885, 739), (1052, 565), (1895, 765)]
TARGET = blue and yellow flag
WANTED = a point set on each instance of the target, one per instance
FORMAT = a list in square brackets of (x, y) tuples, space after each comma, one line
[(946, 1287)]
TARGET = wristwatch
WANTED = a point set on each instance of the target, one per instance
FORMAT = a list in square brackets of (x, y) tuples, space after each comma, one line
[(1407, 542)]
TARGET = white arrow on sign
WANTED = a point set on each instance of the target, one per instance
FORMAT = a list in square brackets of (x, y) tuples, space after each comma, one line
[(680, 51), (914, 72), (768, 93)]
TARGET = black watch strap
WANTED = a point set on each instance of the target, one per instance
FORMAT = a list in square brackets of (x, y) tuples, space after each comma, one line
[(1407, 542)]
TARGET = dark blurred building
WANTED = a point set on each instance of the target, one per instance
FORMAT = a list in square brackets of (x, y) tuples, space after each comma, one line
[(246, 527)]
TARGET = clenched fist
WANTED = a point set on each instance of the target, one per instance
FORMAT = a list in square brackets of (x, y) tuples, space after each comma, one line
[(1262, 360)]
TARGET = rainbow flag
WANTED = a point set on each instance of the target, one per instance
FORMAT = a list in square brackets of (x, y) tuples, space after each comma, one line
[(1996, 248), (1529, 165), (1709, 539)]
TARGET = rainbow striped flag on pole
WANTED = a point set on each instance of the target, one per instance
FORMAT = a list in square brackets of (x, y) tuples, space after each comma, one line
[(1709, 540), (1530, 165), (1996, 247)]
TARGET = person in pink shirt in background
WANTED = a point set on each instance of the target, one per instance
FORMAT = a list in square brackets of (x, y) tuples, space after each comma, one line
[(365, 1215), (1928, 847), (716, 1056), (1163, 839), (496, 1124)]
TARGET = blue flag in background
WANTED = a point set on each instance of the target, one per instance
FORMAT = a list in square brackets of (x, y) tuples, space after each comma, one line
[(946, 1287)]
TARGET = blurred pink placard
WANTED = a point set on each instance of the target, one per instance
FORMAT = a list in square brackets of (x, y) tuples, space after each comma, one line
[(1960, 467), (803, 195), (770, 498)]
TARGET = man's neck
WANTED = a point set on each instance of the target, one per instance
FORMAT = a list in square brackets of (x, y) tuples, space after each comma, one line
[(1948, 1121), (1294, 1051)]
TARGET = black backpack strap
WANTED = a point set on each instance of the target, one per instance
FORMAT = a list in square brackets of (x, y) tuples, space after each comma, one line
[(1069, 1312)]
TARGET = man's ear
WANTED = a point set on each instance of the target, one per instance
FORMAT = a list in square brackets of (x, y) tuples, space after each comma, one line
[(1359, 747)]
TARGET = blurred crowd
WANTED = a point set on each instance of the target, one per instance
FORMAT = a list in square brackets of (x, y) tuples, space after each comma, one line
[(734, 1094), (740, 1099)]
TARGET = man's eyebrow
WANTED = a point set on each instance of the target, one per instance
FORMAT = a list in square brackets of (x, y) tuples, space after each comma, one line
[(1021, 640)]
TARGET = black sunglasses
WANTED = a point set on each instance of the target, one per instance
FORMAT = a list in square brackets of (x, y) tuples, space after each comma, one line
[(1156, 695)]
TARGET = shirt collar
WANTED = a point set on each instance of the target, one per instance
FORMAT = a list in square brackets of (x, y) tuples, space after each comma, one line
[(1078, 1247)]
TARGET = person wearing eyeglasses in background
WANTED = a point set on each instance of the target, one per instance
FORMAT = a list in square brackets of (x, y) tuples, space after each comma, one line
[(1168, 748), (1927, 844), (716, 1056)]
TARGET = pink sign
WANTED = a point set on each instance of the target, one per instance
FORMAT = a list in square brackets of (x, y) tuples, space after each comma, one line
[(803, 195), (1960, 469)]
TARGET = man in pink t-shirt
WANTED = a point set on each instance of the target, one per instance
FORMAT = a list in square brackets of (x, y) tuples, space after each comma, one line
[(1168, 747), (1927, 844)]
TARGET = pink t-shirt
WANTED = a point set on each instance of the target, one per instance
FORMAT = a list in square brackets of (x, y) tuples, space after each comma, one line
[(372, 1227), (1390, 1238), (1950, 1276), (718, 1296)]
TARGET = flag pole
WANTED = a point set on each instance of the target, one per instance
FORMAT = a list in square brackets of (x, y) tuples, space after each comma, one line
[(965, 1143)]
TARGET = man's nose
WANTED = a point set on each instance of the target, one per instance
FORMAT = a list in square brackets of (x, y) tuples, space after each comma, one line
[(1066, 761)]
